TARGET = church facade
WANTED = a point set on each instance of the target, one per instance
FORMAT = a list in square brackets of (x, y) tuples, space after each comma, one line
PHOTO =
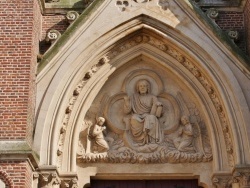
[(125, 93)]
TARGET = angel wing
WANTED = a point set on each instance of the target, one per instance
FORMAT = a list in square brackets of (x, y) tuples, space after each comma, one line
[(200, 141), (188, 109)]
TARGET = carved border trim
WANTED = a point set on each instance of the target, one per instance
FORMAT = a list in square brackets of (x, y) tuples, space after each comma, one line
[(183, 60), (71, 103)]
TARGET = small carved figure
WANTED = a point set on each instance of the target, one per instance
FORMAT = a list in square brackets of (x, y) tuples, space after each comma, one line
[(145, 109), (100, 144), (185, 141)]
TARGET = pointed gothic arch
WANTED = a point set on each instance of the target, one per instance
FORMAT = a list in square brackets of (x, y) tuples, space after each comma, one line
[(61, 111)]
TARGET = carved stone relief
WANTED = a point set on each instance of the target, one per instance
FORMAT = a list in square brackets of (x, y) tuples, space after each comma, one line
[(145, 125), (182, 59), (72, 100)]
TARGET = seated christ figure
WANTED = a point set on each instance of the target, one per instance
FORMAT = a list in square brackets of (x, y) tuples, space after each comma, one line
[(145, 109)]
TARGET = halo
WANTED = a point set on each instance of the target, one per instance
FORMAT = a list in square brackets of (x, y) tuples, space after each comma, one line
[(129, 84)]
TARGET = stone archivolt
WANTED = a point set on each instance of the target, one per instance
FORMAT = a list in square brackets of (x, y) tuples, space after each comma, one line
[(178, 156)]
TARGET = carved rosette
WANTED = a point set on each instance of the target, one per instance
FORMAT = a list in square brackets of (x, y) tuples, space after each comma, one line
[(212, 13), (71, 16), (52, 36), (234, 35)]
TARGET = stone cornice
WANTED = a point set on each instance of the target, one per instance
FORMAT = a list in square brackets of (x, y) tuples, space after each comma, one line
[(18, 150)]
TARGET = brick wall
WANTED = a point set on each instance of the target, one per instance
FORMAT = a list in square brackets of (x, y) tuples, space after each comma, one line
[(234, 21), (16, 174), (19, 33), (52, 21), (247, 24)]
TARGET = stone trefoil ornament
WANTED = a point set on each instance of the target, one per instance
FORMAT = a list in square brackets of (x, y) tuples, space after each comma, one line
[(144, 124)]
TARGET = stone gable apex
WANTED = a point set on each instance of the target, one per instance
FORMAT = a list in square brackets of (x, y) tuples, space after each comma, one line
[(192, 11)]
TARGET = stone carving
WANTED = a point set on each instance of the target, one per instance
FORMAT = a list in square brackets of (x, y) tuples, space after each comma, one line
[(213, 14), (204, 81), (122, 4), (97, 138), (52, 36), (163, 4), (222, 181), (184, 61), (71, 16), (234, 35), (69, 183), (72, 100), (241, 176), (47, 179), (145, 109), (184, 141), (147, 125)]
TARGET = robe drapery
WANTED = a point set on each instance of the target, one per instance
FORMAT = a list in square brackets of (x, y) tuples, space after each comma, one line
[(145, 126)]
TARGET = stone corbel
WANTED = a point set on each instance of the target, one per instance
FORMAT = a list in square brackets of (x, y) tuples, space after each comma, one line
[(52, 36), (71, 16), (234, 35), (48, 177), (241, 177), (69, 181), (213, 14), (222, 180)]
